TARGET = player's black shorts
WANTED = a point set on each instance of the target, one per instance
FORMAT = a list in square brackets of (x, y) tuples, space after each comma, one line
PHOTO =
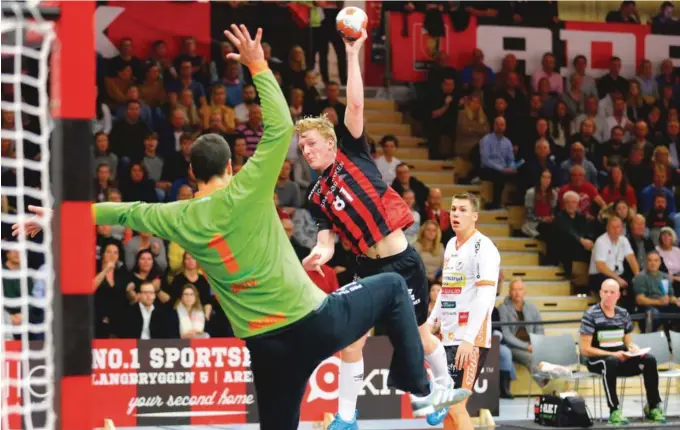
[(410, 266), (466, 377)]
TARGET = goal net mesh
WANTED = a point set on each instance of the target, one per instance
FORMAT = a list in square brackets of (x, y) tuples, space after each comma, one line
[(26, 342)]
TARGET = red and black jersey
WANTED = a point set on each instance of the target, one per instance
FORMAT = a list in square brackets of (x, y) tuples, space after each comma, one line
[(351, 198)]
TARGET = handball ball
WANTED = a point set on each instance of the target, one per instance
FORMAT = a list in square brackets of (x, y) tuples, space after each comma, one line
[(350, 22)]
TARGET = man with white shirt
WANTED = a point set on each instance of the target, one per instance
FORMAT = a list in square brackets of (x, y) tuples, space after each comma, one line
[(610, 252), (591, 108), (619, 118), (387, 163), (150, 320), (606, 104)]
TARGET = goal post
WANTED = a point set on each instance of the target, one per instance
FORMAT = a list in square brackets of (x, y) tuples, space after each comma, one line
[(59, 36), (74, 247)]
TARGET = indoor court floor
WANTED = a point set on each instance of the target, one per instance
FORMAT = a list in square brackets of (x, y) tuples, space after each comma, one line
[(513, 417)]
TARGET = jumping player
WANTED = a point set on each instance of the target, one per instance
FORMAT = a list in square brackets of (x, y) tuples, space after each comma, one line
[(232, 229), (351, 198), (466, 301)]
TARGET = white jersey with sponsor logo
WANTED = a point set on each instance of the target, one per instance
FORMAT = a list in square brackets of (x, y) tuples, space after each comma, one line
[(474, 265)]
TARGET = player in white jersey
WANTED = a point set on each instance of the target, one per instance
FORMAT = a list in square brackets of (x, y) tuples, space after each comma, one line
[(466, 301)]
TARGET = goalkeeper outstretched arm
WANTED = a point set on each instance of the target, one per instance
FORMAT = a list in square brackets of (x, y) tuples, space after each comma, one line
[(255, 182)]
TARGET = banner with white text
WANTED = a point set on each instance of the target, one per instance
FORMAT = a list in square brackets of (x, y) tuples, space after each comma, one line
[(597, 41), (209, 382)]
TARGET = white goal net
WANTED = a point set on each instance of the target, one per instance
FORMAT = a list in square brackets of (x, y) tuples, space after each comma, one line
[(27, 370)]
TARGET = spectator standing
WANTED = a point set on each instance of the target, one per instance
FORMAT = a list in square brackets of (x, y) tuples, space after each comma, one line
[(497, 160), (387, 163), (405, 181)]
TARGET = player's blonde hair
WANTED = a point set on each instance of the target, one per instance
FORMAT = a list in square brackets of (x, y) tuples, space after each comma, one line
[(319, 123)]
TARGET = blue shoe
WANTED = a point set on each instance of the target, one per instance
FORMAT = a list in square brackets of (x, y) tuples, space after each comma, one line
[(436, 418), (440, 397), (339, 424)]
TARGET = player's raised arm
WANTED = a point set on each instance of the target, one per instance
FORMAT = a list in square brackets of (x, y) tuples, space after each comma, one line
[(158, 219), (258, 176), (354, 115)]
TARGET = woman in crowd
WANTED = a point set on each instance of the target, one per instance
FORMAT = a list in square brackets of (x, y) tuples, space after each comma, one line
[(560, 130), (618, 188), (190, 314), (145, 270), (661, 159), (138, 187), (540, 203), (109, 295), (429, 246), (636, 102), (670, 253), (619, 208), (190, 275)]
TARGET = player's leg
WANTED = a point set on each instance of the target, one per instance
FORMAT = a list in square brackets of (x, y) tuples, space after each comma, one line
[(458, 417), (412, 268), (351, 379), (280, 374), (350, 312)]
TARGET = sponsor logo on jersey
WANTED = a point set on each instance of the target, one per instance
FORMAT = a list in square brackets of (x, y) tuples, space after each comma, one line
[(459, 265), (463, 318), (452, 290), (454, 280), (449, 305)]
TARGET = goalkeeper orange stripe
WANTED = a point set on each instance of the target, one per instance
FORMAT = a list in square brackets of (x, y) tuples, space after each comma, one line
[(258, 67), (220, 245)]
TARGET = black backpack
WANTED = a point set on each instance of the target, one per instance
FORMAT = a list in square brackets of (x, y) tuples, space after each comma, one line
[(554, 411)]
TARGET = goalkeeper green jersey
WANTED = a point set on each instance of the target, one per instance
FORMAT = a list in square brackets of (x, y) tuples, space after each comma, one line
[(235, 233)]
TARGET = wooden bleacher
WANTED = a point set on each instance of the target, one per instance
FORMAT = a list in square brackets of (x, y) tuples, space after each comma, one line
[(546, 286)]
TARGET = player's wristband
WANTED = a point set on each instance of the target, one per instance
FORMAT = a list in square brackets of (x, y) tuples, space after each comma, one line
[(258, 67)]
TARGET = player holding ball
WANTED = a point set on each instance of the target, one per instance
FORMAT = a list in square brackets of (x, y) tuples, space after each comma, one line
[(351, 199)]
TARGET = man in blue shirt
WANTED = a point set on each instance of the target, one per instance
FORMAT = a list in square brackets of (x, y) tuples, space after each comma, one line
[(497, 160), (657, 187)]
